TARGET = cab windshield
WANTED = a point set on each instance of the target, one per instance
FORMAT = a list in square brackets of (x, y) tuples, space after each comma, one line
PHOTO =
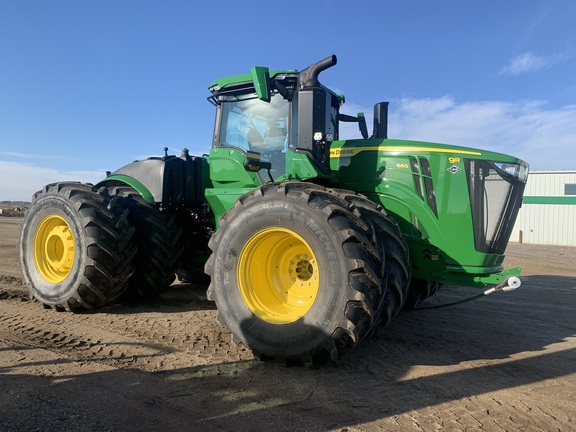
[(251, 124)]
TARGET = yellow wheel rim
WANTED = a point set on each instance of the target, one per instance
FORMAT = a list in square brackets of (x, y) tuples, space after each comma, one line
[(278, 276), (54, 249)]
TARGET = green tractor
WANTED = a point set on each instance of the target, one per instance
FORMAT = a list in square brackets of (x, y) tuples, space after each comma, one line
[(310, 242)]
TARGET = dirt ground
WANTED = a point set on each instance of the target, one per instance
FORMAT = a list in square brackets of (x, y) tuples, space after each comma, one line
[(503, 362)]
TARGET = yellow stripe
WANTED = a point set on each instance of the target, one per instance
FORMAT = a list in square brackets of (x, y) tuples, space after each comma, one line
[(252, 155), (347, 152)]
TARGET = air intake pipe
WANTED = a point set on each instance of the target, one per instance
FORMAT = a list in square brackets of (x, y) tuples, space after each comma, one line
[(309, 77)]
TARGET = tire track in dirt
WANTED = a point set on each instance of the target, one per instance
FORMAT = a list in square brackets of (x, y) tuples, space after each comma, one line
[(123, 337), (70, 335), (10, 280)]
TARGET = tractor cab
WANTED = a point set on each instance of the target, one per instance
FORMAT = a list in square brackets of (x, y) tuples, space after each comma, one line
[(278, 120), (256, 128)]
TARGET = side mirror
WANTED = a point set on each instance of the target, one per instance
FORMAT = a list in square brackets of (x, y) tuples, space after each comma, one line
[(261, 78), (361, 120), (362, 125)]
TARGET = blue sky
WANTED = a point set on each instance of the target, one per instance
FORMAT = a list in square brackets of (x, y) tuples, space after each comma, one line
[(89, 86)]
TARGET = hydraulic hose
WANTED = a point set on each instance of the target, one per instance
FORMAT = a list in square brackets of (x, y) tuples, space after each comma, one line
[(509, 284)]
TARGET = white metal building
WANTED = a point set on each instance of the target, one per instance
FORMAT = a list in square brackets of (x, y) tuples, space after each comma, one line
[(548, 213)]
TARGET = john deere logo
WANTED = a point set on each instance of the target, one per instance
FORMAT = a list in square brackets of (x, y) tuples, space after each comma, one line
[(453, 169)]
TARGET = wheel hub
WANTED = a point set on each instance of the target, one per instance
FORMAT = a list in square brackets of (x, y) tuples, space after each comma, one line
[(278, 276), (54, 249), (302, 269)]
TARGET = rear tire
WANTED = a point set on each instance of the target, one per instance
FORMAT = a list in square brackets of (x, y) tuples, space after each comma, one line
[(294, 275), (159, 240), (76, 247)]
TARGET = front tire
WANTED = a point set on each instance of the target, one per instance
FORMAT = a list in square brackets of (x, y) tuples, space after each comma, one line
[(294, 275), (392, 246), (420, 290), (76, 247)]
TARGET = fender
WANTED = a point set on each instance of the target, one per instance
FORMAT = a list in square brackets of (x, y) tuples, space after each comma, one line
[(169, 180)]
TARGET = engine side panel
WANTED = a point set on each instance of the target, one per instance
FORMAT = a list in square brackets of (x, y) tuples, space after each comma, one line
[(426, 188)]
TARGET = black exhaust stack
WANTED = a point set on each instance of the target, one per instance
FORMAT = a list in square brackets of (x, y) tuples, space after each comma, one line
[(380, 121)]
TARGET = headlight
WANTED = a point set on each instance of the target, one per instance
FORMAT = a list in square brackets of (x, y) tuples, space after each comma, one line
[(519, 171)]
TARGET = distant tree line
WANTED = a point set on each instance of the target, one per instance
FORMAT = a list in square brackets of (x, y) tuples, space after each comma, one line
[(13, 208)]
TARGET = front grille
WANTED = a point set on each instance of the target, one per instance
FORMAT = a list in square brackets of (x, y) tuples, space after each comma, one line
[(495, 199)]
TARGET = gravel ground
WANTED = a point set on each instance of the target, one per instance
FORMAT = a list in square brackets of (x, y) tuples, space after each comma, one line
[(503, 362)]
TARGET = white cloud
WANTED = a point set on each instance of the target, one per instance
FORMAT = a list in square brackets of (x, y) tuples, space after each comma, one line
[(19, 181), (529, 62), (545, 138), (19, 155)]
